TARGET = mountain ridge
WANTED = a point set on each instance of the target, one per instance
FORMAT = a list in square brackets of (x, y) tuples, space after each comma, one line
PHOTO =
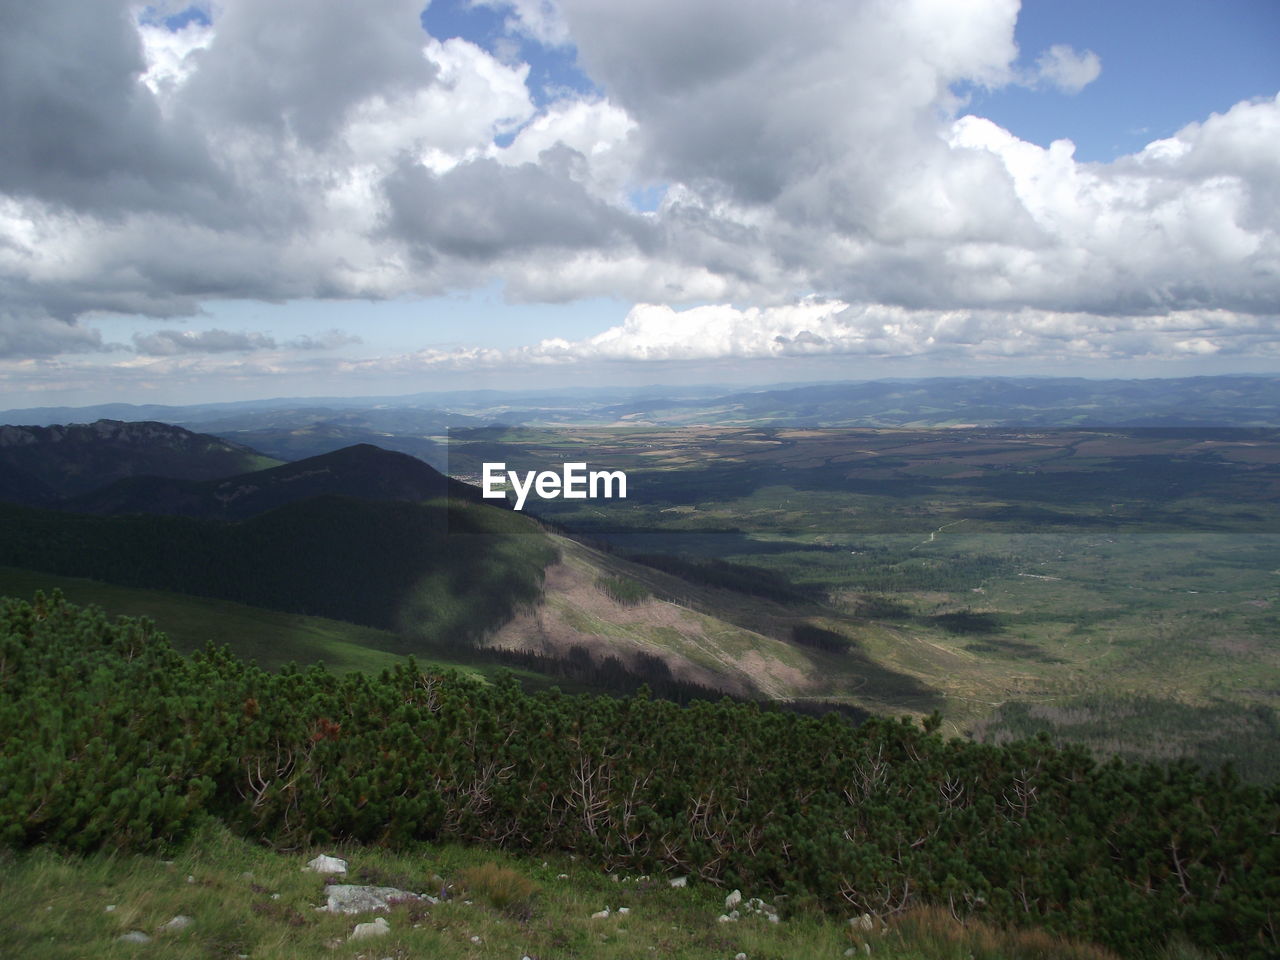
[(68, 460), (362, 471)]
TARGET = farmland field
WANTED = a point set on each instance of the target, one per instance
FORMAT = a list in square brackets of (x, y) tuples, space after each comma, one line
[(1076, 582)]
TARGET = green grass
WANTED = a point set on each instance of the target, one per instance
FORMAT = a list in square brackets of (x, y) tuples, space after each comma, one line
[(247, 900)]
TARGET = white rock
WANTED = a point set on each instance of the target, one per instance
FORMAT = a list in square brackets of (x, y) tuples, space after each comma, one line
[(773, 917), (179, 922), (475, 939), (110, 907), (733, 899), (740, 956), (562, 876), (613, 877), (679, 882), (863, 922), (600, 914), (379, 928), (724, 918), (350, 898), (734, 915), (134, 936), (326, 864), (623, 911)]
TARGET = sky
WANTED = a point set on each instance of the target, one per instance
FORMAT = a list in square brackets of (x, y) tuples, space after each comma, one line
[(237, 199)]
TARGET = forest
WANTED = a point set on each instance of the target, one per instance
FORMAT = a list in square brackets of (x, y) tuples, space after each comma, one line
[(111, 739)]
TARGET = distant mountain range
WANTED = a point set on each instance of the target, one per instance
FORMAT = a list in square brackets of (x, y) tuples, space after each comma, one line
[(994, 402), (110, 467), (292, 427)]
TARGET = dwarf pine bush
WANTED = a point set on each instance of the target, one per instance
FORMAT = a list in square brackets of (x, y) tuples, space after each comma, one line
[(110, 739)]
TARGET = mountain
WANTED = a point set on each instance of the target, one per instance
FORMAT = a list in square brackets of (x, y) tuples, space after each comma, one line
[(19, 486), (295, 433), (40, 464), (362, 471), (302, 427), (437, 572)]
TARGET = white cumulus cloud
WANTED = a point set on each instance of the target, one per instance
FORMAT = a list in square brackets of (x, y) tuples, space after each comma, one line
[(319, 149), (1061, 66)]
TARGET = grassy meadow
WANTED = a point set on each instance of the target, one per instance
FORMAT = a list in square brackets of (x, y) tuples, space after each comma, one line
[(246, 900)]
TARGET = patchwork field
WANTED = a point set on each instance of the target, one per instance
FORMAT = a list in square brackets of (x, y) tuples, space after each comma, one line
[(1084, 583)]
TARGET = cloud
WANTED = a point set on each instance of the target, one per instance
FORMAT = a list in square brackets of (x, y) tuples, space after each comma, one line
[(27, 335), (1060, 66), (655, 333), (539, 20), (320, 149), (329, 340), (170, 343)]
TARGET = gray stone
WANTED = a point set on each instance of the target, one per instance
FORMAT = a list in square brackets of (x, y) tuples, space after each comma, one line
[(326, 864), (378, 928), (349, 898), (134, 936), (179, 922), (733, 899)]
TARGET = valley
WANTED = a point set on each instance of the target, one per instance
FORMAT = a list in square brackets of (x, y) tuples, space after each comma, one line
[(1109, 585)]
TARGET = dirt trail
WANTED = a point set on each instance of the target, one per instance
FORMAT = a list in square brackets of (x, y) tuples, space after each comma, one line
[(934, 534)]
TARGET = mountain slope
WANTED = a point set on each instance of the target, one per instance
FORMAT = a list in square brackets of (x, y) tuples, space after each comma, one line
[(362, 471), (73, 459), (435, 572), (600, 605)]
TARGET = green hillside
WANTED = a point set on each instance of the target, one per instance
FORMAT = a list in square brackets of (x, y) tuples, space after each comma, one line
[(439, 572), (109, 739)]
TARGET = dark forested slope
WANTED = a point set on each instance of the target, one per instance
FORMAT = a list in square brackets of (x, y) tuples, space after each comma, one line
[(362, 471), (443, 571)]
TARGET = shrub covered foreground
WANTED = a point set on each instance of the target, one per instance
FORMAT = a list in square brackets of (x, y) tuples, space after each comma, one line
[(111, 739)]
